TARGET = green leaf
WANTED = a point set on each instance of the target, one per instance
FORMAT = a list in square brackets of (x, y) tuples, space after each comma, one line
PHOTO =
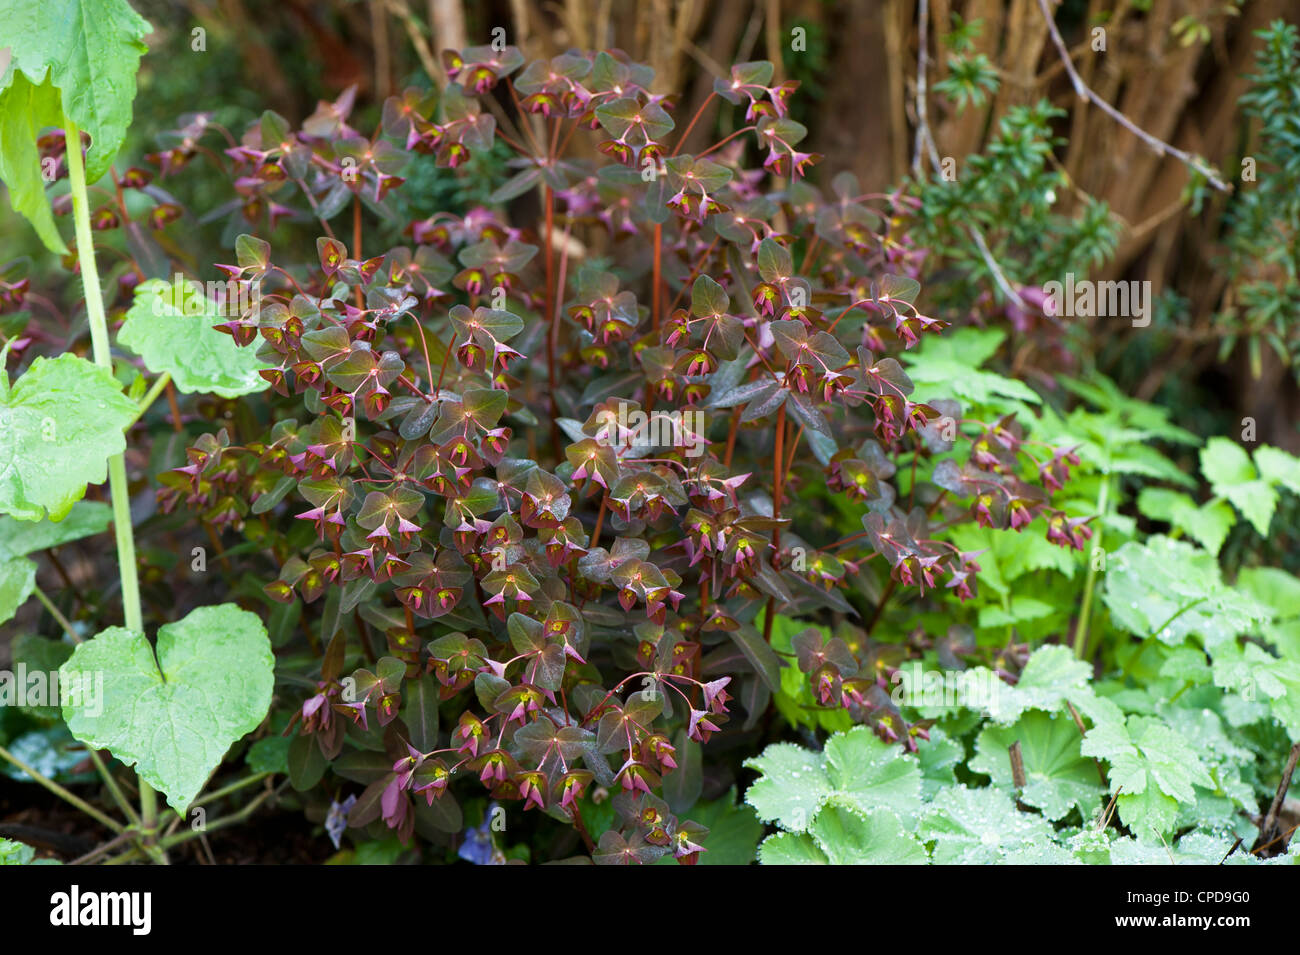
[(708, 298), (1232, 475), (856, 768), (24, 110), (1021, 609), (1170, 589), (1278, 467), (59, 425), (17, 580), (1152, 766), (774, 261), (170, 326), (849, 836), (979, 827), (1207, 524), (15, 853), (91, 50), (1251, 672), (270, 755), (790, 848), (1051, 676), (948, 367), (43, 655), (937, 757), (1057, 776), (1271, 586), (793, 785), (174, 718), (19, 538)]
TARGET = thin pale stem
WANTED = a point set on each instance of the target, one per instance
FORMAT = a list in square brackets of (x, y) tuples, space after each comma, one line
[(62, 793), (56, 614), (1085, 612)]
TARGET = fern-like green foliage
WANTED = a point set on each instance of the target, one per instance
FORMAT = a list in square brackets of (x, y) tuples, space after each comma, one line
[(1264, 222)]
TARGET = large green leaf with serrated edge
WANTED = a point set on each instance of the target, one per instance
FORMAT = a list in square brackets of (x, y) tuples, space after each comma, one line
[(1170, 589), (855, 768), (979, 827), (1254, 673), (844, 835), (1278, 467), (1208, 524), (173, 725), (170, 326), (1151, 766), (1233, 476), (1051, 676), (1057, 775), (59, 424), (90, 49), (26, 109)]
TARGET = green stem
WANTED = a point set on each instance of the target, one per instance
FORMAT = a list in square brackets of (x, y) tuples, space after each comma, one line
[(61, 620), (163, 380), (224, 822), (117, 483), (113, 788), (62, 793), (1081, 631), (119, 490), (165, 818)]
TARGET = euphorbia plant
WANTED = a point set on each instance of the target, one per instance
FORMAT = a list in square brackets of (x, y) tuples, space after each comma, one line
[(544, 478)]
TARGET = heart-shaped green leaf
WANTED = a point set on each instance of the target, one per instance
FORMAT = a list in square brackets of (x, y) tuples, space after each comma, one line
[(59, 425), (176, 724), (170, 326)]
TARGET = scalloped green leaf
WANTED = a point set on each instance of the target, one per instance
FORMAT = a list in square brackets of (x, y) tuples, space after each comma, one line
[(856, 769), (175, 717), (980, 827), (90, 49), (170, 326), (1057, 775), (59, 424), (1152, 766), (844, 835)]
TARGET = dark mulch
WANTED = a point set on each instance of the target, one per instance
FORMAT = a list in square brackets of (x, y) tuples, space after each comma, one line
[(56, 830)]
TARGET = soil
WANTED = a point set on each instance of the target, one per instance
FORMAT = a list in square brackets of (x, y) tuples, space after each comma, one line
[(56, 830)]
